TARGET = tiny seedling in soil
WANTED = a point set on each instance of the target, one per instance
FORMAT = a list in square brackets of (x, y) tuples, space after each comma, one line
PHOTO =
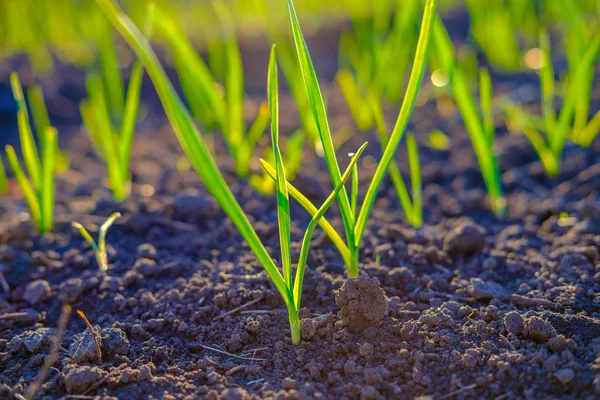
[(100, 247), (38, 186)]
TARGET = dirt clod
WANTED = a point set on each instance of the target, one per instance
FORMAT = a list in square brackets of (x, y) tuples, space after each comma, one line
[(37, 291), (538, 330), (564, 375), (70, 290), (467, 238), (513, 322), (362, 302), (79, 379)]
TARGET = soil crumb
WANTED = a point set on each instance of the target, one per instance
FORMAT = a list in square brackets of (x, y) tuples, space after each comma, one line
[(362, 302)]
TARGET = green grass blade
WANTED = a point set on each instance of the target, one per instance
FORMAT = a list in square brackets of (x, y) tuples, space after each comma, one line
[(547, 157), (259, 126), (88, 115), (26, 188), (50, 144), (283, 201), (102, 239), (41, 121), (111, 73), (234, 93), (198, 78), (576, 87), (415, 180), (132, 104), (470, 116), (3, 178), (487, 110), (590, 131), (317, 105), (100, 259), (329, 230), (299, 279), (105, 129), (394, 171), (354, 191), (412, 90), (30, 153), (547, 87), (39, 112), (192, 143), (357, 107)]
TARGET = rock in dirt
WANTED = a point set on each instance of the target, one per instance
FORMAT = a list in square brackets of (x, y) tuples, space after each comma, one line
[(308, 328), (564, 375), (467, 238), (513, 322), (32, 341), (81, 378), (70, 290), (191, 206), (539, 330), (362, 303), (83, 349), (234, 394), (37, 291), (487, 290), (114, 341)]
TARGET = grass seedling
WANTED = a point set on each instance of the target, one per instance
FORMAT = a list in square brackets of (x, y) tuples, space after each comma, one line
[(37, 184), (100, 247), (3, 178), (108, 106), (41, 121), (209, 103), (559, 127), (355, 219), (480, 126), (194, 146)]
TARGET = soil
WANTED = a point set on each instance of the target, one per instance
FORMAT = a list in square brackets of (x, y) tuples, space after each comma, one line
[(466, 307)]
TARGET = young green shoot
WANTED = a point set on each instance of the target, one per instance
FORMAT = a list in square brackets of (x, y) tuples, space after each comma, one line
[(37, 180), (559, 127), (353, 217), (41, 121), (194, 146), (209, 103), (99, 248), (480, 127), (3, 178), (101, 112)]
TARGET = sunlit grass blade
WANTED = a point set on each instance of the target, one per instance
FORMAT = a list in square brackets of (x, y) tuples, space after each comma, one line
[(132, 104), (50, 144), (198, 78), (485, 99), (41, 121), (320, 114), (317, 216), (351, 92), (109, 64), (589, 133), (547, 86), (283, 201), (329, 230), (192, 142), (88, 115), (470, 116), (28, 148), (100, 247), (408, 103), (3, 178), (105, 129), (28, 191), (415, 180)]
